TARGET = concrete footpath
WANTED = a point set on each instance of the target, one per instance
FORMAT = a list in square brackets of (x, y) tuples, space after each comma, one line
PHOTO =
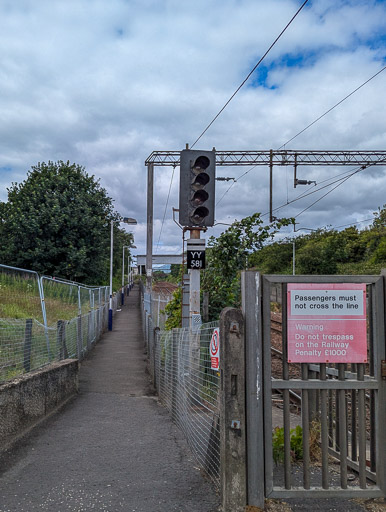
[(112, 448)]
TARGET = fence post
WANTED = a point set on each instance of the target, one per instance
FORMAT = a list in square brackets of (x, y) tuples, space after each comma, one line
[(89, 329), (162, 368), (27, 344), (252, 307), (59, 338), (232, 412), (64, 344), (154, 358), (205, 307), (174, 368), (381, 469), (79, 341)]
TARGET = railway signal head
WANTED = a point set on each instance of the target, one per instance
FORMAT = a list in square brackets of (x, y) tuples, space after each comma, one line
[(197, 188)]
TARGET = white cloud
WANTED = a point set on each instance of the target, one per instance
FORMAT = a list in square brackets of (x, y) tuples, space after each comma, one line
[(105, 84)]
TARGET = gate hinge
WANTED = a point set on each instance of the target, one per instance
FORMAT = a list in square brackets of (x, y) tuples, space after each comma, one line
[(383, 369)]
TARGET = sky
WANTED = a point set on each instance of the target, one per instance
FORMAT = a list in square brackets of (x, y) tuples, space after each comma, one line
[(103, 84)]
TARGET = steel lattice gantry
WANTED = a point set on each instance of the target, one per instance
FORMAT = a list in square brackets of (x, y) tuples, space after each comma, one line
[(278, 157), (269, 158)]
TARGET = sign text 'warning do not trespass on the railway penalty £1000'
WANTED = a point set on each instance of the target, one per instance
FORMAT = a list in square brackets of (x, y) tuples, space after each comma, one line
[(326, 323)]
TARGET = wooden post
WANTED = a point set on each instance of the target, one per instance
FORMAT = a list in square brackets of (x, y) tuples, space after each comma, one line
[(233, 461), (79, 340), (205, 307), (27, 344), (59, 339)]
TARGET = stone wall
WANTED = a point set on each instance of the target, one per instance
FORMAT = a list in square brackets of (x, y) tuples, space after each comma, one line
[(30, 398)]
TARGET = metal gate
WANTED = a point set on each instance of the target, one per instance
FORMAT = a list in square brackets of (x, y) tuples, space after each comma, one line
[(324, 422)]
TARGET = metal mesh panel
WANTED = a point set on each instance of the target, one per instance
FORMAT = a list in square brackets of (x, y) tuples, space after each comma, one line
[(43, 319), (188, 387), (19, 294), (66, 299), (159, 302)]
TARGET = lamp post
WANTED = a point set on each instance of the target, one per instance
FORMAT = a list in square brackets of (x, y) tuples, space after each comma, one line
[(123, 273), (293, 247), (126, 220), (130, 271)]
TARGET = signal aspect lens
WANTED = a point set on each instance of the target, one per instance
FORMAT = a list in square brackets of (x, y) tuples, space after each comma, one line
[(200, 197), (199, 214), (200, 164), (200, 180)]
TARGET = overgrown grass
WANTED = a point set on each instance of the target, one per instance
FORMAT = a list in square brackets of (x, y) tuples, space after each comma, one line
[(19, 301), (20, 298)]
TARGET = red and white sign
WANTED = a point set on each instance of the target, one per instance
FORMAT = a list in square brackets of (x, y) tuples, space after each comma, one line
[(326, 323), (215, 350)]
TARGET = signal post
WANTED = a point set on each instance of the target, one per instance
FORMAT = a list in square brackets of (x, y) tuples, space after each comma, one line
[(195, 262)]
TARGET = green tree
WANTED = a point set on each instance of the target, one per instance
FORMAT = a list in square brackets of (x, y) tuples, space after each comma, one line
[(273, 258), (229, 254), (375, 238), (173, 310), (57, 222), (327, 251)]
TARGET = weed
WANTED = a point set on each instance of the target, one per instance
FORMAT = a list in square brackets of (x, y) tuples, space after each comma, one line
[(315, 449), (296, 444), (296, 438)]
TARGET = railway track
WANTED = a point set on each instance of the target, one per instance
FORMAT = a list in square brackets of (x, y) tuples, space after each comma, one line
[(164, 288)]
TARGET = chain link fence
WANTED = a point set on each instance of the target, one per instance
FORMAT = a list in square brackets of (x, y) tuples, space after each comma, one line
[(180, 367), (159, 302), (188, 387), (45, 319)]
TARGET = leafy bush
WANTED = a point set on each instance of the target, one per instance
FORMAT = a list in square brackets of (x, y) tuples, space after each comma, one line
[(328, 251)]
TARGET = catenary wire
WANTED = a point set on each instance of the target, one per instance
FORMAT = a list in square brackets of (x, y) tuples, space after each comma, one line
[(227, 103), (250, 73), (306, 128), (332, 108), (301, 196), (329, 192), (166, 206), (352, 223)]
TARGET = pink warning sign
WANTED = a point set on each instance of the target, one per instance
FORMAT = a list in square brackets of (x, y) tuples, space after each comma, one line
[(326, 323)]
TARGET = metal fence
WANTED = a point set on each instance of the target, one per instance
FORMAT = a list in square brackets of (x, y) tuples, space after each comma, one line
[(342, 404), (180, 367), (188, 387), (329, 436), (159, 302), (45, 319)]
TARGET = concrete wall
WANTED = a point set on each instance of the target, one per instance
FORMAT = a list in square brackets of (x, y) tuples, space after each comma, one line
[(28, 399)]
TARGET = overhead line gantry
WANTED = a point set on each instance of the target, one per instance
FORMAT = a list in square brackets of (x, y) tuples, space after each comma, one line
[(271, 158)]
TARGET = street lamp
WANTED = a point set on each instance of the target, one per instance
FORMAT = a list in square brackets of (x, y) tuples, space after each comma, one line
[(123, 272), (293, 246), (130, 279), (126, 220)]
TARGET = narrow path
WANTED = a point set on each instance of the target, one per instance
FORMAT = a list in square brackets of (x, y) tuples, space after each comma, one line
[(113, 448)]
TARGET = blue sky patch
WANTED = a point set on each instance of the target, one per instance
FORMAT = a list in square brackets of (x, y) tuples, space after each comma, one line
[(288, 60)]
